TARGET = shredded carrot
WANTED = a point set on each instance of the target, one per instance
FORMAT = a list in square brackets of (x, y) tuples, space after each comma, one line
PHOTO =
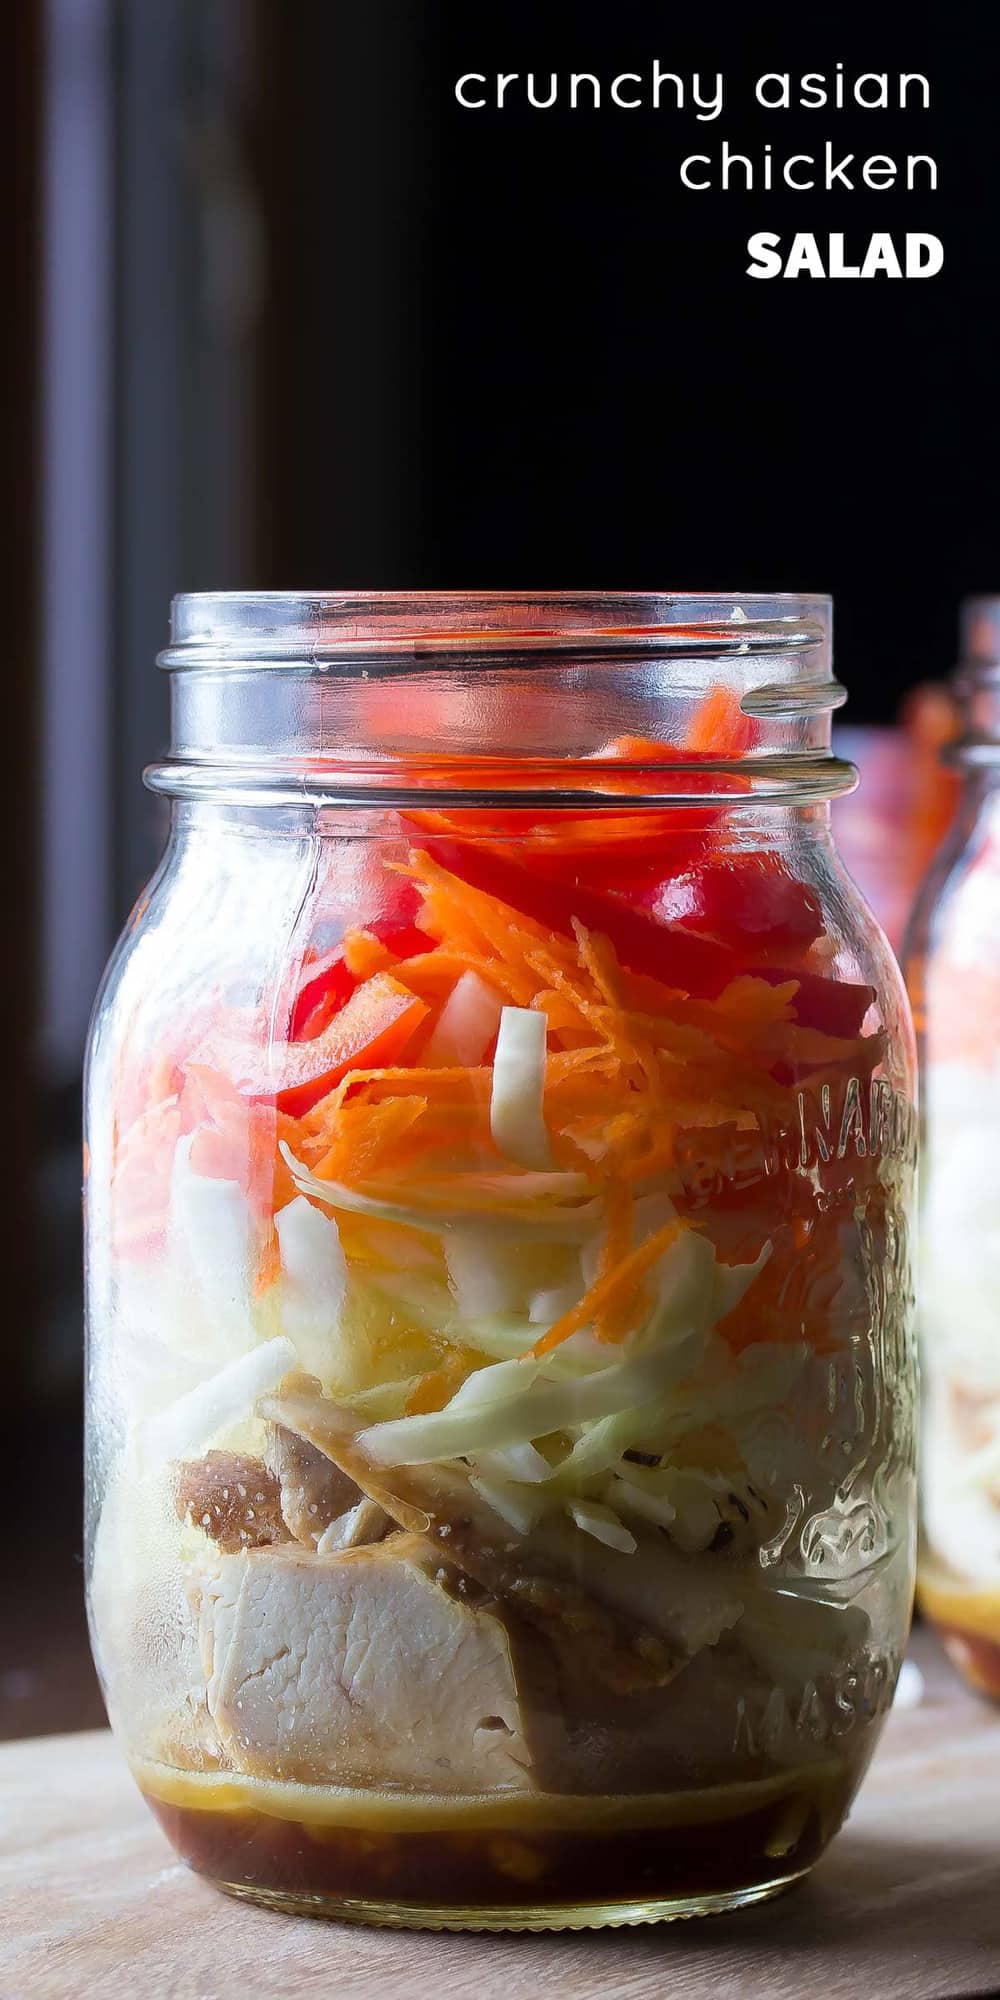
[(363, 1134), (441, 1086), (364, 954), (482, 909), (568, 1016), (616, 1287), (473, 921), (432, 974), (591, 1059), (626, 1130), (690, 1044), (438, 1386), (747, 1090), (598, 959), (498, 960)]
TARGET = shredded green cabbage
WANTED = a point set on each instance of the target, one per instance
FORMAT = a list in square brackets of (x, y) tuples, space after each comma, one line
[(517, 1119)]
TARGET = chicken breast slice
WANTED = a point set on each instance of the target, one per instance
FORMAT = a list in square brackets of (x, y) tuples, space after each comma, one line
[(315, 1493), (640, 1616), (359, 1668), (294, 1494), (235, 1499)]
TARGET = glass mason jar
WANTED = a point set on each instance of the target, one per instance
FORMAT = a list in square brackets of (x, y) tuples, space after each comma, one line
[(953, 967), (501, 1139)]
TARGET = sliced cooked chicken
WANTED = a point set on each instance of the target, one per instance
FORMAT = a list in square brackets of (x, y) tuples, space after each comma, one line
[(364, 1524), (641, 1615), (235, 1499), (298, 1494), (359, 1668), (316, 1494)]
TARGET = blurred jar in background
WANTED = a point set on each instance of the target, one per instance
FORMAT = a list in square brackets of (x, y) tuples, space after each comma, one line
[(889, 829), (953, 967)]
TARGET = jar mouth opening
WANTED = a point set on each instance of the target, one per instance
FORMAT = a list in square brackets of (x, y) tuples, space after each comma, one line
[(331, 628), (342, 693)]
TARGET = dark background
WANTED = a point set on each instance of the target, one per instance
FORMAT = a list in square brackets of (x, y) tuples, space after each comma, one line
[(559, 370), (288, 317)]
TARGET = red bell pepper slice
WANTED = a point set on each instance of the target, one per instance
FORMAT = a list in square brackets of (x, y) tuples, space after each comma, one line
[(324, 990), (834, 1006), (328, 982), (678, 958), (727, 919), (750, 902), (701, 966), (369, 1032)]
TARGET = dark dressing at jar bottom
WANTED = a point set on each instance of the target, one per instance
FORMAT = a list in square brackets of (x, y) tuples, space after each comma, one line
[(519, 1875)]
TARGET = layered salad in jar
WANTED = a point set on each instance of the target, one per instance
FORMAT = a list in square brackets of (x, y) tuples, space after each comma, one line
[(502, 1390)]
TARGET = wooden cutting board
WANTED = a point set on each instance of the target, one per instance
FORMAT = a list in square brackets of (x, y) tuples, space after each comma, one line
[(905, 1907)]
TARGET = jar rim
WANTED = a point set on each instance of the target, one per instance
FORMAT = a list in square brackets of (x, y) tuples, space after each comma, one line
[(327, 628), (276, 693)]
